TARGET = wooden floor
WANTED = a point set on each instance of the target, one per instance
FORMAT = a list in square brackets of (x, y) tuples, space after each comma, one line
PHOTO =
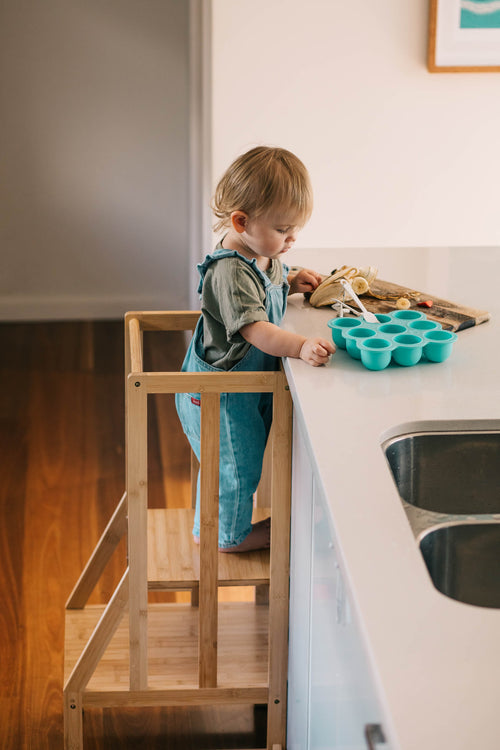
[(62, 473)]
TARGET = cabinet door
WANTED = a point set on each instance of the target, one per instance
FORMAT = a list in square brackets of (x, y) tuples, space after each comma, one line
[(342, 696), (300, 596)]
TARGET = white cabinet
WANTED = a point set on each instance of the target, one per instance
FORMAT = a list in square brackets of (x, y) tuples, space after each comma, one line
[(332, 702), (300, 597)]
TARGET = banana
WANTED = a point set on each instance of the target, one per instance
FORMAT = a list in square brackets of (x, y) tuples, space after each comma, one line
[(403, 303), (368, 272), (360, 285), (330, 289)]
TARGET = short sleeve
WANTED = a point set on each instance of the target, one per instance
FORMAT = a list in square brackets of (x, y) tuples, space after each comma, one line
[(237, 294)]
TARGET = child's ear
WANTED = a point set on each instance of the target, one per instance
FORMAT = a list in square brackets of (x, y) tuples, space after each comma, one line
[(239, 221)]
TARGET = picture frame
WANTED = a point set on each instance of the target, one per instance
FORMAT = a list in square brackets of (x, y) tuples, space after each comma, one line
[(464, 36)]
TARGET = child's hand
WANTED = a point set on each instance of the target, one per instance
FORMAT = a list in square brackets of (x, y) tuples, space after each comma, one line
[(316, 351), (304, 280)]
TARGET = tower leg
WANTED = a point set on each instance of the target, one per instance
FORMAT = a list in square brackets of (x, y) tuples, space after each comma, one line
[(73, 721)]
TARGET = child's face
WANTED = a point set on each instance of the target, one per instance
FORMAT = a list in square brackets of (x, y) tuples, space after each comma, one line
[(271, 235)]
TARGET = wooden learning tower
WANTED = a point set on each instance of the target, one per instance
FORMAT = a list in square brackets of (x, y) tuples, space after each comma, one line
[(203, 652)]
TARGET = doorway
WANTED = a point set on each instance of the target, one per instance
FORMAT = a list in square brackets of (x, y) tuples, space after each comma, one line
[(104, 132)]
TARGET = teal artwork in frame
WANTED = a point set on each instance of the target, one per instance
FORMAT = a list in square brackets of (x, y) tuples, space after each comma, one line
[(480, 14), (464, 36)]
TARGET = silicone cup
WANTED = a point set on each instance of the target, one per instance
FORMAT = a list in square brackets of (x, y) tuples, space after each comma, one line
[(338, 326), (376, 352), (408, 334), (438, 344), (409, 348), (352, 337), (407, 316), (391, 329), (422, 326)]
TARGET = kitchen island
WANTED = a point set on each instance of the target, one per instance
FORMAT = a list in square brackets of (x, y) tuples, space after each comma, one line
[(378, 656)]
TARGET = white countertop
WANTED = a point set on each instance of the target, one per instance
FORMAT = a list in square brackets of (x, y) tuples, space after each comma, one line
[(436, 661)]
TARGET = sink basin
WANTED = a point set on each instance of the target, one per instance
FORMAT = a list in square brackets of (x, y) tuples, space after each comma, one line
[(447, 472), (464, 562)]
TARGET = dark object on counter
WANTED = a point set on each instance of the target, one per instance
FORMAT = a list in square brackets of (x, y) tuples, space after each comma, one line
[(452, 316)]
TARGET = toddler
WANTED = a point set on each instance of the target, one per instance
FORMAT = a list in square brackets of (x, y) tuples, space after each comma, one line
[(261, 203)]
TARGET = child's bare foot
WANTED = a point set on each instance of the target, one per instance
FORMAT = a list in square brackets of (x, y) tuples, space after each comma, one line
[(258, 538)]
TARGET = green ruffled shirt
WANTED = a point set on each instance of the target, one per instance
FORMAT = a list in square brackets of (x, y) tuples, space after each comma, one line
[(232, 297)]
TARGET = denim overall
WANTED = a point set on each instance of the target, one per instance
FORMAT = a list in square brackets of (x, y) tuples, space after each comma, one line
[(245, 418)]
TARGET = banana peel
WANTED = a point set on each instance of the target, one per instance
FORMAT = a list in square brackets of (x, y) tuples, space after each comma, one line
[(330, 289)]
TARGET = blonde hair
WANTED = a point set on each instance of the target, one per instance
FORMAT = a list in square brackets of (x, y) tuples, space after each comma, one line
[(263, 179)]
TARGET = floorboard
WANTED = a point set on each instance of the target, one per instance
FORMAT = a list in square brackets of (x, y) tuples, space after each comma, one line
[(62, 455)]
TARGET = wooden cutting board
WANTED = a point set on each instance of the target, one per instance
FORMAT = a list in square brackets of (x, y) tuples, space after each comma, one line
[(452, 316)]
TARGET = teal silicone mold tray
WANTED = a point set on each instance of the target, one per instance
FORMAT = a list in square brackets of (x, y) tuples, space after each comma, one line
[(403, 337)]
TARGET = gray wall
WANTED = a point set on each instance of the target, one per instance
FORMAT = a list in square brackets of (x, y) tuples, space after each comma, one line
[(94, 141)]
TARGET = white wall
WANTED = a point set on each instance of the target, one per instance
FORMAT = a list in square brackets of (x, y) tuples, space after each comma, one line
[(398, 156), (94, 139)]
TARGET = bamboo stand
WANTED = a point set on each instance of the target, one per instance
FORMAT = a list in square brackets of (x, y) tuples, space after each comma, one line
[(172, 653)]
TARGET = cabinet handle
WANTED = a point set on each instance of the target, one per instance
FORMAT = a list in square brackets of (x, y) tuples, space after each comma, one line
[(342, 602), (373, 735)]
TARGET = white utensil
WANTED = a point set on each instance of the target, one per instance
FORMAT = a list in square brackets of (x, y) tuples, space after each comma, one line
[(367, 315), (340, 304)]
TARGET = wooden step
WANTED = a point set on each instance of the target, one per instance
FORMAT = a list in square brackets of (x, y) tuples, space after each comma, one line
[(174, 558), (173, 656)]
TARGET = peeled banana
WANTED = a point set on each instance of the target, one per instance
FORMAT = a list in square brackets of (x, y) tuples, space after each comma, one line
[(360, 285)]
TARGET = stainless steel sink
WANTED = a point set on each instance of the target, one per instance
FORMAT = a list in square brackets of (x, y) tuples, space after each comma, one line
[(447, 472), (464, 562)]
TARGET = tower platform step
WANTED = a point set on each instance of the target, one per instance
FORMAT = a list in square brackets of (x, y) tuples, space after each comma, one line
[(174, 558), (173, 656)]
